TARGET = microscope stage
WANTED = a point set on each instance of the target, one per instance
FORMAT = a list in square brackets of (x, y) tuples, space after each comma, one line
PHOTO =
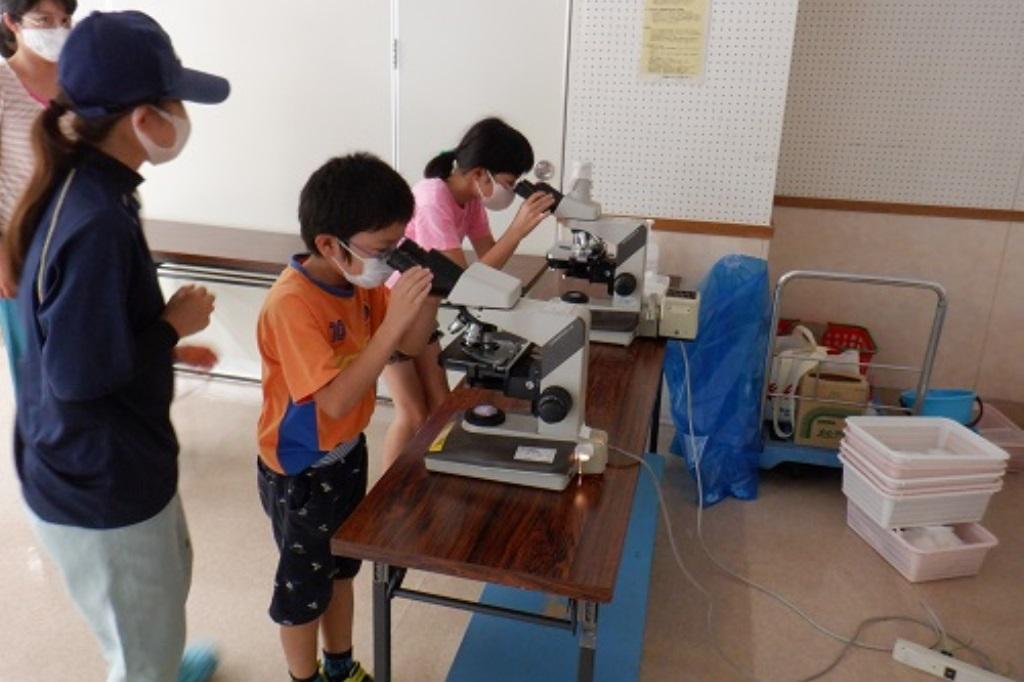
[(498, 355)]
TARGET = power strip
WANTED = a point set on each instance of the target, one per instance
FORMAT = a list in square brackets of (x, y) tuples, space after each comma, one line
[(940, 665)]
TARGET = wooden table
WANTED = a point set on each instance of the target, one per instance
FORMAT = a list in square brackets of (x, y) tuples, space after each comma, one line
[(228, 248), (568, 544)]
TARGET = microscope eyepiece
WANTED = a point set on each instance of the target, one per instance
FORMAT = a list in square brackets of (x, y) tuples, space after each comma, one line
[(409, 254), (527, 189)]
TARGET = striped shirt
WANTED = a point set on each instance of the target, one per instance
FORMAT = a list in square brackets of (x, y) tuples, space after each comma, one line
[(18, 111)]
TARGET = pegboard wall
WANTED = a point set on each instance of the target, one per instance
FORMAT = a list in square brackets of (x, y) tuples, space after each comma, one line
[(692, 149), (909, 101)]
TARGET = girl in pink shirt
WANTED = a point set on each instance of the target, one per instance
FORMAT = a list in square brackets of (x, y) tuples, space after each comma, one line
[(452, 200)]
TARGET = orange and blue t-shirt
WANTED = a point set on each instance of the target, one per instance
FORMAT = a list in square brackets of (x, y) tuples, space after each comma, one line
[(307, 333)]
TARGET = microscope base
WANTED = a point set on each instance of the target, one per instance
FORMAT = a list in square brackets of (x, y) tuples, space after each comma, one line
[(521, 426), (615, 323), (615, 338), (544, 463), (552, 481)]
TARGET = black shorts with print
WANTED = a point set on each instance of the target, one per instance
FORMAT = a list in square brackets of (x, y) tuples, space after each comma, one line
[(306, 510)]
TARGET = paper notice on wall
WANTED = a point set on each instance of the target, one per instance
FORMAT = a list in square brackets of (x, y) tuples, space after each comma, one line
[(674, 38)]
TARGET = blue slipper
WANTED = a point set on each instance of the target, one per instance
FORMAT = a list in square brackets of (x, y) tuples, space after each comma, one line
[(198, 663)]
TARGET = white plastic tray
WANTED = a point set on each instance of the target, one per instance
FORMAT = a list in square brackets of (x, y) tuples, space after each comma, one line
[(904, 511), (925, 441), (904, 493), (917, 565), (929, 468), (910, 484)]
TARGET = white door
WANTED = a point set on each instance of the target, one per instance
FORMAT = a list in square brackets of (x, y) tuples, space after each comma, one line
[(462, 60)]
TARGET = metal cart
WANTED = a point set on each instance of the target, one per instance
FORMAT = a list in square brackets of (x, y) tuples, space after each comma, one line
[(777, 451)]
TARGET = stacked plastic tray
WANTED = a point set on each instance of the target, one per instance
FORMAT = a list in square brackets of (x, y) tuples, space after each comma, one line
[(1000, 430), (906, 472)]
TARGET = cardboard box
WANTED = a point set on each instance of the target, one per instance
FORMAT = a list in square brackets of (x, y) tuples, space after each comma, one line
[(819, 422)]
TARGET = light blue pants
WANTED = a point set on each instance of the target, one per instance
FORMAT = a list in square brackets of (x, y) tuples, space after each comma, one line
[(131, 584), (14, 335)]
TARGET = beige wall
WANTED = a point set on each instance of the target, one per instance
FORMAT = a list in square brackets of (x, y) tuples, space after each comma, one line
[(980, 263), (691, 255)]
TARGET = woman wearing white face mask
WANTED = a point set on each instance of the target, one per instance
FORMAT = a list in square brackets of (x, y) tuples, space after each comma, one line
[(452, 201), (32, 33)]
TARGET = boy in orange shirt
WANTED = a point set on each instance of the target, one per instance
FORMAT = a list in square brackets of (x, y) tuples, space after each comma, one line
[(325, 333)]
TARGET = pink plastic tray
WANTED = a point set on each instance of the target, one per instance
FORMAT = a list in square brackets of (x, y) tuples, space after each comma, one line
[(917, 565)]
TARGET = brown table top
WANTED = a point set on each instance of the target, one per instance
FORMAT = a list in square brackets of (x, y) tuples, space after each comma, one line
[(567, 543), (221, 247), (260, 251)]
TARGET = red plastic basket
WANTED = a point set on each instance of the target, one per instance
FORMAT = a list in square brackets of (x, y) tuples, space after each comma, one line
[(840, 337)]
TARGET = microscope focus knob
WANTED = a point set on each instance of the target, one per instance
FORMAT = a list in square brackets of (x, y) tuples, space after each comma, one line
[(554, 404), (625, 284)]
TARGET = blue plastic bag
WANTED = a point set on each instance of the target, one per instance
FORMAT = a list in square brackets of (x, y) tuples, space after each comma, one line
[(726, 379)]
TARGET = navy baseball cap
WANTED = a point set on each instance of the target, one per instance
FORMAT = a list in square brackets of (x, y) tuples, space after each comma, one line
[(114, 61)]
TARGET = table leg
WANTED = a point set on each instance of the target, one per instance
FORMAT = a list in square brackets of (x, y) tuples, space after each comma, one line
[(656, 416), (587, 616), (381, 622)]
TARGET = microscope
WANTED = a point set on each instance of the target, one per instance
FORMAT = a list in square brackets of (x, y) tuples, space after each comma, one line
[(602, 259), (533, 350)]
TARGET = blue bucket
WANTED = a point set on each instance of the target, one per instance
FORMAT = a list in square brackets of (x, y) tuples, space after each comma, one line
[(955, 403)]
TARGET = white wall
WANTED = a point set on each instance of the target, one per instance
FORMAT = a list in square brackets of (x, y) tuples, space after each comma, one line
[(87, 7), (310, 80), (693, 149)]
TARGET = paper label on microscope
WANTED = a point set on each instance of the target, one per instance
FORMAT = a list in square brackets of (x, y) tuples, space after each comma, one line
[(526, 453)]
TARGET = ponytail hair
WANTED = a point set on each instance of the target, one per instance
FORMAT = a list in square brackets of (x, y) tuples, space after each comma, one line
[(440, 166), (55, 155), (491, 144), (16, 9)]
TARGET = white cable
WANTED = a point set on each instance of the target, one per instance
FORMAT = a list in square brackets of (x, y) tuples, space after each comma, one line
[(942, 637)]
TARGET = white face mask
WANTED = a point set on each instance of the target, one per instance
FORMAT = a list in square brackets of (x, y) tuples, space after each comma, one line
[(46, 42), (154, 152), (375, 270), (501, 196)]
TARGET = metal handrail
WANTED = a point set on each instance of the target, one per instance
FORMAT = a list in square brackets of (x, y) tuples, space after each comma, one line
[(215, 275)]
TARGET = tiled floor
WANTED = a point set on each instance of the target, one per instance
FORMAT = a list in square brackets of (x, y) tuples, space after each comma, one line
[(793, 538)]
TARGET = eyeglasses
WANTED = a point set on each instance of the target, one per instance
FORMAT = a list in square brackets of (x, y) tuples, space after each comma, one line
[(364, 254), (46, 20), (495, 181)]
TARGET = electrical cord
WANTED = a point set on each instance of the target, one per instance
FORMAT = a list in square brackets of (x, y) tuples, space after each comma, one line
[(942, 638)]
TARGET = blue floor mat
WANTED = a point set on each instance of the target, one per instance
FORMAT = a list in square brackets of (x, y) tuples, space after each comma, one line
[(502, 650)]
